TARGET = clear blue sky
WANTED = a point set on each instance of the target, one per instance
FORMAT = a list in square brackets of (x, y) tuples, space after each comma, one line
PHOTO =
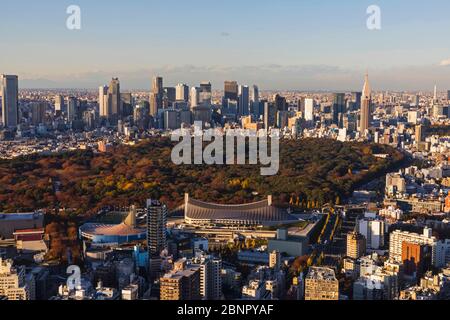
[(279, 44)]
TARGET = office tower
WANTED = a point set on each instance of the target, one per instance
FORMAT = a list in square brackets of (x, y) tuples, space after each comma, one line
[(38, 110), (231, 90), (448, 95), (366, 102), (156, 96), (205, 94), (282, 119), (156, 227), (182, 92), (10, 100), (309, 109), (254, 94), (195, 97), (356, 245), (270, 115), (321, 284), (397, 238), (114, 93), (59, 103), (280, 103), (356, 97), (255, 103), (338, 108), (14, 283), (419, 133), (103, 102), (435, 97), (373, 231), (72, 108), (126, 100), (416, 100), (171, 119), (89, 119), (181, 284), (244, 101), (171, 94)]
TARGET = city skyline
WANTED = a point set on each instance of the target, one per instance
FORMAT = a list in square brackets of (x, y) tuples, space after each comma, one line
[(217, 50)]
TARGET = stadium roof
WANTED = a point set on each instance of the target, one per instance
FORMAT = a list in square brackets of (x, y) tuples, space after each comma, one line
[(262, 211)]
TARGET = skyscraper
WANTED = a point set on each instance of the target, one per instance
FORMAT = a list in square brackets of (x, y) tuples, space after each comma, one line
[(156, 96), (231, 90), (182, 92), (448, 95), (338, 108), (280, 103), (309, 109), (195, 97), (156, 227), (254, 94), (244, 101), (103, 102), (270, 115), (38, 110), (366, 101), (10, 100), (114, 93), (72, 106), (59, 103), (205, 94), (254, 98), (356, 97)]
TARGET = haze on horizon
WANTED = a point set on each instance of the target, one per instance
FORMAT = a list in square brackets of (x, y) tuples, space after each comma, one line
[(279, 45)]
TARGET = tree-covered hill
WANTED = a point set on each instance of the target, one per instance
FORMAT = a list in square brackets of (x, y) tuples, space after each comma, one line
[(312, 172)]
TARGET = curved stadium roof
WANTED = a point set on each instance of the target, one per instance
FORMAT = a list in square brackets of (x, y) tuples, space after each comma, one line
[(258, 212)]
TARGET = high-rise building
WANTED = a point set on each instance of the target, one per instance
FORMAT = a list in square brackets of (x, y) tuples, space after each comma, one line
[(38, 110), (104, 102), (114, 95), (254, 94), (170, 93), (321, 284), (419, 133), (231, 90), (270, 115), (59, 103), (205, 94), (356, 245), (195, 97), (244, 101), (156, 227), (10, 100), (210, 277), (182, 92), (156, 96), (356, 98), (280, 103), (72, 108), (309, 109), (397, 238), (448, 95), (366, 101), (373, 231), (338, 108), (14, 283)]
